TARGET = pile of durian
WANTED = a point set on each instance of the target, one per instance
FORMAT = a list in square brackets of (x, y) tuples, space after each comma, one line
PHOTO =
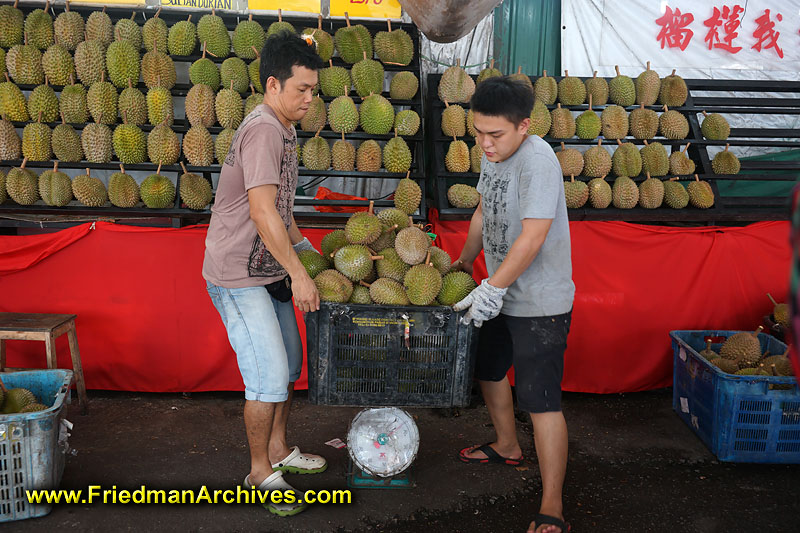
[(385, 259), (18, 400), (741, 355)]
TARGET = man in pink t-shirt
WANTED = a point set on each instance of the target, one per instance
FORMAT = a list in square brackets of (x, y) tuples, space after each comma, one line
[(251, 266)]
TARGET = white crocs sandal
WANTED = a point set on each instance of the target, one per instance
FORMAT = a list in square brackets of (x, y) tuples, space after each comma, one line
[(301, 463), (276, 482)]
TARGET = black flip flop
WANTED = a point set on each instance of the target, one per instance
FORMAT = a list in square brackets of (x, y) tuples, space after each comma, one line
[(491, 456), (546, 519)]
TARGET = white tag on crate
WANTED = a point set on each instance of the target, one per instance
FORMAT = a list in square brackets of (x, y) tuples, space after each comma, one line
[(682, 354), (684, 404), (336, 443)]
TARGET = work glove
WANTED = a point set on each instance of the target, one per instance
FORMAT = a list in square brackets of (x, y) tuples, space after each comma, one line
[(484, 304), (305, 244)]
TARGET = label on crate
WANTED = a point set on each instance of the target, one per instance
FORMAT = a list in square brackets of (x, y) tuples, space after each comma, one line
[(375, 322), (305, 6), (682, 354), (379, 9), (684, 404)]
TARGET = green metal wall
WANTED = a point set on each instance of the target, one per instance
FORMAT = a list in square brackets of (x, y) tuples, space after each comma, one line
[(527, 33)]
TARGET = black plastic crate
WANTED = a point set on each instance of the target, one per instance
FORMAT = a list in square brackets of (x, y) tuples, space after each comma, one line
[(362, 355)]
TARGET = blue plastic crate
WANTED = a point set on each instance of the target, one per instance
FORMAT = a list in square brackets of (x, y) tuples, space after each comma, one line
[(741, 419), (31, 453)]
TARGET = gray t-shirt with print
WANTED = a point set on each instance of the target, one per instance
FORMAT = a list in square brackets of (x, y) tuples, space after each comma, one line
[(528, 184)]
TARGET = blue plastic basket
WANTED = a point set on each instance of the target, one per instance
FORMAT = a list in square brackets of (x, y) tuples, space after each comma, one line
[(31, 453), (742, 419)]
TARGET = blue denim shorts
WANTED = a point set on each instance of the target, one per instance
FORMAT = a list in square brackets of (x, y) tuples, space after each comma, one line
[(263, 333)]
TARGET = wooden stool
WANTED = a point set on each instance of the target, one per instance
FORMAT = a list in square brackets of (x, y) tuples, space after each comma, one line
[(47, 328)]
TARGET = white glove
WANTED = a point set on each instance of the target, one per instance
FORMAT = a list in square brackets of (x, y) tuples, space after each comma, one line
[(484, 304), (305, 244)]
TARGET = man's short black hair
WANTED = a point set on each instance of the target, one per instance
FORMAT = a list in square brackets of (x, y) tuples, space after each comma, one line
[(281, 52), (502, 96)]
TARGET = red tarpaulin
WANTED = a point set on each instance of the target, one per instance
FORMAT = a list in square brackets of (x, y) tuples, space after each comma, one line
[(145, 322)]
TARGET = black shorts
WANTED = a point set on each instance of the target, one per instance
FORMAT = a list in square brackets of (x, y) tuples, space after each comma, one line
[(535, 346)]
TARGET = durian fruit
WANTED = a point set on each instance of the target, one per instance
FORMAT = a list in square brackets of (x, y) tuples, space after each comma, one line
[(12, 102), (252, 101), (750, 371), (205, 71), (457, 157), (222, 144), (200, 106), (626, 161), (313, 262), (648, 85), (343, 155), (597, 88), (576, 193), (726, 365), (90, 62), (97, 142), (622, 90), (37, 141), (99, 27), (522, 77), (66, 143), (440, 260), (614, 122), (248, 34), (69, 28), (58, 65), (571, 161), (367, 76), (43, 100), (198, 146), (783, 366), (352, 42), (254, 72), (368, 156), (673, 124), (316, 153), (88, 190), (422, 283), (385, 291), (644, 123), (571, 90), (17, 399), (281, 26), (488, 72), (743, 347), (394, 47), (233, 74), (157, 191), (701, 195), (2, 60), (624, 193), (715, 127), (102, 100), (376, 115), (33, 407), (55, 187), (3, 196), (651, 193), (363, 227), (707, 352), (679, 162), (229, 107), (475, 158), (587, 125), (407, 195), (123, 191), (403, 86), (456, 85), (133, 103), (130, 143), (332, 242), (412, 245), (11, 25), (160, 106), (360, 295), (316, 117), (333, 286), (334, 81), (596, 161), (182, 38), (129, 30), (673, 91), (73, 103), (454, 121), (24, 63), (122, 63), (355, 261), (163, 146), (322, 40), (780, 312), (407, 122), (158, 69), (563, 124), (541, 121), (391, 266), (654, 159), (10, 143), (725, 162), (455, 287), (392, 216), (463, 196), (675, 195), (343, 114), (195, 190), (212, 31), (397, 155), (599, 193), (545, 89), (22, 185)]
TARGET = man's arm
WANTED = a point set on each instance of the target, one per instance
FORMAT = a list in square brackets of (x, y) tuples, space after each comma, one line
[(276, 239), (522, 252), (294, 233), (474, 243)]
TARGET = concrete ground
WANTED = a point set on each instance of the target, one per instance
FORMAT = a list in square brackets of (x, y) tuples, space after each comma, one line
[(633, 467)]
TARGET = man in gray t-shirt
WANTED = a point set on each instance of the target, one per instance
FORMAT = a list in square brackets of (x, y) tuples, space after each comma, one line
[(524, 308)]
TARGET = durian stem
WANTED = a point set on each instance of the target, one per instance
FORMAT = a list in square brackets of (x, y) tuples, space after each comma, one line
[(696, 178), (648, 65), (566, 73), (183, 167), (563, 147), (673, 72), (158, 170), (364, 284), (757, 331), (280, 15), (55, 165), (544, 73), (159, 12), (319, 22), (491, 63), (727, 146), (121, 168), (347, 18), (258, 55), (686, 148), (616, 67), (371, 209), (376, 257), (89, 172), (772, 299), (133, 15), (24, 162), (250, 17), (428, 257), (619, 143), (389, 25)]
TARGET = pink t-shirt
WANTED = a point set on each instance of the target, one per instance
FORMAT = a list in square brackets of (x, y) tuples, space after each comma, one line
[(263, 152)]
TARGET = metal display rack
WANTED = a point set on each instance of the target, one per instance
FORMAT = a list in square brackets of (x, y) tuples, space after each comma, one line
[(726, 209), (179, 215)]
